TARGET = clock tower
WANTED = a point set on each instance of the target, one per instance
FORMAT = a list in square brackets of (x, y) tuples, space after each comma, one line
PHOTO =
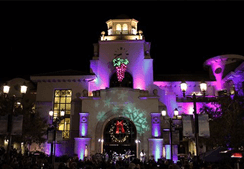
[(124, 43)]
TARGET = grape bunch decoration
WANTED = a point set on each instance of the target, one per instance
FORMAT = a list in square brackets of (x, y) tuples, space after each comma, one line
[(121, 65)]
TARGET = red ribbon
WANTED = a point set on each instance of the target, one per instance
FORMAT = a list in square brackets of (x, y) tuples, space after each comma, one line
[(119, 125)]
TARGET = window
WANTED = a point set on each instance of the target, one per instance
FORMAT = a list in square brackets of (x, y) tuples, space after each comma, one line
[(64, 126), (62, 101), (118, 29), (125, 28)]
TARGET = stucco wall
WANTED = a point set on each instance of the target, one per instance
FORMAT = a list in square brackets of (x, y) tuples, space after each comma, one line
[(127, 100)]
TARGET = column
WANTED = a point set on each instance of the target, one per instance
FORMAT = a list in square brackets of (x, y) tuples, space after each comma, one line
[(83, 129), (155, 148), (81, 146), (156, 129), (82, 143)]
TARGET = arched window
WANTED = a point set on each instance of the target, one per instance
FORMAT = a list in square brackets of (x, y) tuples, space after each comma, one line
[(125, 28), (118, 29), (126, 82)]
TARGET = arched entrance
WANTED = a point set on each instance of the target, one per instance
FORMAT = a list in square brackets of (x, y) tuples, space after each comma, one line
[(119, 136)]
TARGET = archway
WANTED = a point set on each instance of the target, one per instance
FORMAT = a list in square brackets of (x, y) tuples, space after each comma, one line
[(119, 136)]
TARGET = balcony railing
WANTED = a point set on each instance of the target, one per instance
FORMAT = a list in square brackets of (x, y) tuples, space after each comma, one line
[(124, 32)]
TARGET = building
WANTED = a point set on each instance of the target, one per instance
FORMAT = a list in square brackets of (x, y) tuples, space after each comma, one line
[(108, 110)]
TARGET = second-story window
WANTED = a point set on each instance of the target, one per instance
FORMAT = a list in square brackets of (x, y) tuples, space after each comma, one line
[(62, 101)]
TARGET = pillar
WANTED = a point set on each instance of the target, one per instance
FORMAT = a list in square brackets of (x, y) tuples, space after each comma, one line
[(155, 148), (80, 147), (82, 143), (83, 129), (156, 129)]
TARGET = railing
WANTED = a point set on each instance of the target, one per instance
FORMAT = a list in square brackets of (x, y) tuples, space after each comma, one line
[(118, 32), (198, 99)]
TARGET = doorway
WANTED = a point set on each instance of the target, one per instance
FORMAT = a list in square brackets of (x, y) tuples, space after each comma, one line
[(119, 137)]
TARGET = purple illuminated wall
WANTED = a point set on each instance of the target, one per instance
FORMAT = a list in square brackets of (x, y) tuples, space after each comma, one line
[(80, 145), (83, 124), (217, 64), (140, 68), (156, 129), (156, 145)]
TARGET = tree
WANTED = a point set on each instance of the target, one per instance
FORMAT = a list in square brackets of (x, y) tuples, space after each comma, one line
[(34, 126), (226, 126)]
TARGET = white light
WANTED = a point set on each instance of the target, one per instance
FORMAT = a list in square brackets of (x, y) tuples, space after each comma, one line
[(102, 140), (176, 112), (6, 89), (137, 141), (51, 113), (163, 112), (23, 89), (203, 86), (183, 86), (62, 112)]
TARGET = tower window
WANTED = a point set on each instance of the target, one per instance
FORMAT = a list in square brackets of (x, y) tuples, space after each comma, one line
[(125, 28), (118, 29)]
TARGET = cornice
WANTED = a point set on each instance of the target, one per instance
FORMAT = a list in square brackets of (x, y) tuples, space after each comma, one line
[(58, 79)]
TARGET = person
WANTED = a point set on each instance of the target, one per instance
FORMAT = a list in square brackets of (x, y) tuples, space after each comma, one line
[(142, 156)]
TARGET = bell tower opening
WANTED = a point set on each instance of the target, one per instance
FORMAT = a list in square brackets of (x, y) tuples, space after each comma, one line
[(126, 82), (119, 138)]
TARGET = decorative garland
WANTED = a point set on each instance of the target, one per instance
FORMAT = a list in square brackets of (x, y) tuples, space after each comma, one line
[(121, 65)]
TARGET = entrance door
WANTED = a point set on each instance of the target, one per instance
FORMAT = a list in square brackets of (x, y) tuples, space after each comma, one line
[(120, 136)]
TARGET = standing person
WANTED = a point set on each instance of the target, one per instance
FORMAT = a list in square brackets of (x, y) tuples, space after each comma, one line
[(142, 156)]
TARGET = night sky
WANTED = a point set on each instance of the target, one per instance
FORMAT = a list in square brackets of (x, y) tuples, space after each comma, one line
[(39, 37)]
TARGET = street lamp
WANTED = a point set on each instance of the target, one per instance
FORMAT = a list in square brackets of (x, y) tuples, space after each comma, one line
[(54, 124), (137, 147), (163, 112), (203, 87), (183, 87), (176, 113), (6, 89)]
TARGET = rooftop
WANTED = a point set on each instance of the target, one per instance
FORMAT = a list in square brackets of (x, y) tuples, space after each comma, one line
[(68, 72)]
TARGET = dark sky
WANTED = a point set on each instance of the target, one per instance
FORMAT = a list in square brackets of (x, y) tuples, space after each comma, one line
[(40, 37)]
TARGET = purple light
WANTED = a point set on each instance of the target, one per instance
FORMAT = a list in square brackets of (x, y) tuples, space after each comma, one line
[(83, 124), (80, 146), (167, 150), (156, 129), (157, 148)]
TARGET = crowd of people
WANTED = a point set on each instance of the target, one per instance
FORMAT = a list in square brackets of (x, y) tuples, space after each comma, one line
[(41, 161)]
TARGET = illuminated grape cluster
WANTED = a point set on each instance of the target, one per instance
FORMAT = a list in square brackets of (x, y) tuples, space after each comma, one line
[(121, 65)]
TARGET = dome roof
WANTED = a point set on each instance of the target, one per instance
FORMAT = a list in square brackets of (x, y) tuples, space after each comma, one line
[(122, 16)]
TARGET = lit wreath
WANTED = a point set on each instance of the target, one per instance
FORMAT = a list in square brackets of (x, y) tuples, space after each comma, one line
[(113, 136)]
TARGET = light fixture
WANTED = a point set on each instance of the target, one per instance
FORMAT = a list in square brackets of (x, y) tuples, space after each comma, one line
[(203, 87), (6, 89), (176, 112), (183, 87), (163, 112), (137, 141), (62, 113), (51, 113), (23, 89)]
